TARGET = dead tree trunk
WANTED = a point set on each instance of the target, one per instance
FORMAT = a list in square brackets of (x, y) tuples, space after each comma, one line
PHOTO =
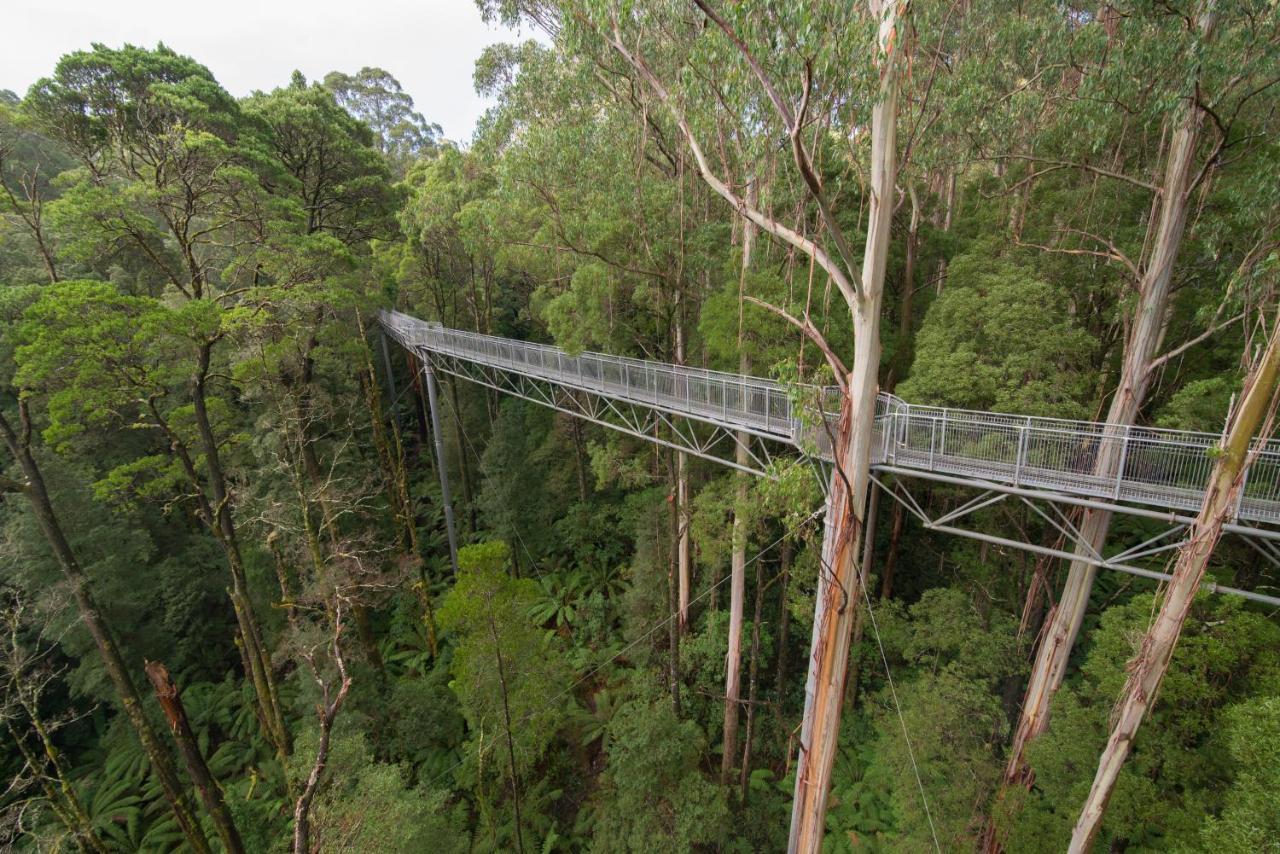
[(206, 784), (1147, 669), (1144, 340), (327, 712)]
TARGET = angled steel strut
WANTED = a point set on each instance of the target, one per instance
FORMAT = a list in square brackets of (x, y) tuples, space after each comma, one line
[(1142, 471)]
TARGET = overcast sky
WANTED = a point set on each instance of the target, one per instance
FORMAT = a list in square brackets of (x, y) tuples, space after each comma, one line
[(430, 46)]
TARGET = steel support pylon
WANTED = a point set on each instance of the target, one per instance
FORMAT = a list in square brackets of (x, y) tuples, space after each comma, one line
[(441, 464)]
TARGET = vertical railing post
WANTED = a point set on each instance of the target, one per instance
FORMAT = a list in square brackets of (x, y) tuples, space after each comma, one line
[(942, 442), (1022, 451), (1124, 458), (933, 429)]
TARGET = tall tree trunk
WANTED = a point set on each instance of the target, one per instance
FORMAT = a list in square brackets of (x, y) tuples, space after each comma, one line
[(784, 623), (738, 559), (579, 458), (464, 469), (1147, 669), (419, 403), (839, 575), (511, 747), (753, 674), (1144, 340), (891, 556), (906, 303), (42, 506), (673, 605), (682, 496), (224, 531), (860, 618), (206, 785)]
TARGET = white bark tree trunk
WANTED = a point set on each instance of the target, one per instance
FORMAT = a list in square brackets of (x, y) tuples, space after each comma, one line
[(1141, 347), (738, 559), (838, 593), (1148, 667)]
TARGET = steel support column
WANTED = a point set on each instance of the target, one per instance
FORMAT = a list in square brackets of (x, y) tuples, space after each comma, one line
[(441, 465), (391, 377)]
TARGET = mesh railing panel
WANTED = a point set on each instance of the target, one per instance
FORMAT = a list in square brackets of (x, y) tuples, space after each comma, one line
[(1164, 468)]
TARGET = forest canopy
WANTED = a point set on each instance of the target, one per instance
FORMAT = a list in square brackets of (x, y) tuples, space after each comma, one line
[(232, 616)]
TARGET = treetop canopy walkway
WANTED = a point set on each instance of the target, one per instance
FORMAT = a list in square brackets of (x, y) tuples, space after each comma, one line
[(1150, 466)]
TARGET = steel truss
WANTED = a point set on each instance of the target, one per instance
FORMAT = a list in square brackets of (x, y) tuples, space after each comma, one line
[(710, 415), (650, 423), (1051, 507)]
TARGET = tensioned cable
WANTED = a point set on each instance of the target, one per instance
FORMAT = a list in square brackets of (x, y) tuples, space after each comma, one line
[(915, 768), (661, 623), (893, 691)]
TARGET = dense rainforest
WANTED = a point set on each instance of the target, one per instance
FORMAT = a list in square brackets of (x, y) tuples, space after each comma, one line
[(230, 618)]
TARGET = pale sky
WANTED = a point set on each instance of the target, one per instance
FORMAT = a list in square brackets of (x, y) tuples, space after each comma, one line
[(430, 46)]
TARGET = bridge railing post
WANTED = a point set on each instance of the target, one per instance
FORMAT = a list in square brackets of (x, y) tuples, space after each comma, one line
[(1124, 456), (1023, 432), (933, 429)]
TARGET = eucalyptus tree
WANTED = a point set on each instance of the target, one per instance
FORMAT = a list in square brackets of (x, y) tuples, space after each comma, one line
[(376, 98), (682, 58), (1177, 97), (1255, 415)]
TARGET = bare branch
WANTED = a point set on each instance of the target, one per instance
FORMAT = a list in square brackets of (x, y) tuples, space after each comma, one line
[(1106, 173), (813, 334), (1187, 345), (846, 285)]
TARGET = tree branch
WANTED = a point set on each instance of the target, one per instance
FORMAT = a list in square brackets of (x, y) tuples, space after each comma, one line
[(813, 334), (794, 124), (1106, 173), (848, 288), (1185, 346)]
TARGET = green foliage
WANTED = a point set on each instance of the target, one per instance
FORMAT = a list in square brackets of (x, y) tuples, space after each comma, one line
[(504, 668), (1180, 766), (369, 806), (1001, 338), (1249, 821), (231, 245), (652, 787)]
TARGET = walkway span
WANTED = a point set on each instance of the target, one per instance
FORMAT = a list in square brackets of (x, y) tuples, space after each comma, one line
[(1165, 469)]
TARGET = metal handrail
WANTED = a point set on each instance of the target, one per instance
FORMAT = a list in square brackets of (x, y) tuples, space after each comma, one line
[(1146, 465), (740, 402)]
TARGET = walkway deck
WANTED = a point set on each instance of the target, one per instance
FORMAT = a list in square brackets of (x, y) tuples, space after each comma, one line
[(1165, 469)]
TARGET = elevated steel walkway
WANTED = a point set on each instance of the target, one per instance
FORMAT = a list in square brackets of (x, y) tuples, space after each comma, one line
[(1159, 468), (1143, 471)]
